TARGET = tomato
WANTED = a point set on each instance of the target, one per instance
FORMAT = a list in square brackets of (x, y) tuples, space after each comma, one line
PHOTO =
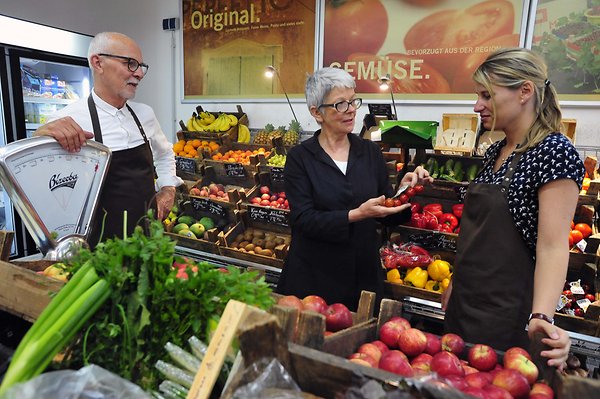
[(419, 188), (584, 228), (353, 26), (410, 192), (388, 202), (397, 202), (451, 35), (408, 74), (404, 198), (576, 235), (463, 78), (572, 225), (590, 297), (570, 241)]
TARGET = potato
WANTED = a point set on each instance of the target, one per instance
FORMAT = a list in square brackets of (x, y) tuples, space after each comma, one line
[(243, 244), (249, 247), (266, 252)]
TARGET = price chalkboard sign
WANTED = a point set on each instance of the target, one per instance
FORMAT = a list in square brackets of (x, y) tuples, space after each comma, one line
[(206, 205), (434, 240), (235, 170), (185, 164), (277, 174), (269, 215)]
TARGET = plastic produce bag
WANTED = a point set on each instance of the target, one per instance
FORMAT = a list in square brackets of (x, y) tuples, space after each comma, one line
[(90, 382), (267, 379)]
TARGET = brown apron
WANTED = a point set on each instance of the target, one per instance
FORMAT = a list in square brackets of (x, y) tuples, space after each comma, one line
[(129, 185), (492, 290)]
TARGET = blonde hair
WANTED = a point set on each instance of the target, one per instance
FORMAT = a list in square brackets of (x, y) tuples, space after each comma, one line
[(510, 68)]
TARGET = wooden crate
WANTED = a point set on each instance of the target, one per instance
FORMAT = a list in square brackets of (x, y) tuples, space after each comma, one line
[(308, 328), (569, 126), (231, 134), (24, 292), (244, 223), (458, 134)]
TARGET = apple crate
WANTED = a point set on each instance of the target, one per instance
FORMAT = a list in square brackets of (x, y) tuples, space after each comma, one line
[(230, 241), (308, 328), (23, 291), (233, 186)]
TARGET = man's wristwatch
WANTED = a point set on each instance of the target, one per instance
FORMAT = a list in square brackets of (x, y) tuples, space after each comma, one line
[(540, 316)]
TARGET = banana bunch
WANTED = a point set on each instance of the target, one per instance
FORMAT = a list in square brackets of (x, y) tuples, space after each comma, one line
[(207, 122), (222, 123), (243, 134)]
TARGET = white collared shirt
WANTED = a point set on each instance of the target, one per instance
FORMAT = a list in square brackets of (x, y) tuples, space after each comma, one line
[(120, 132)]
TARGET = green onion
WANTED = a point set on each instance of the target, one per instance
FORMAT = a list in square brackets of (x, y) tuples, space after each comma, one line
[(74, 304)]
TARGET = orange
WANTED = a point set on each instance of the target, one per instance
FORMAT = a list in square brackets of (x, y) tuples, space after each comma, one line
[(189, 148), (196, 143), (178, 147)]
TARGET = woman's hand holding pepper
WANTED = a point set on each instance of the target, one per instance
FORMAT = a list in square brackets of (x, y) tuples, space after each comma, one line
[(374, 208)]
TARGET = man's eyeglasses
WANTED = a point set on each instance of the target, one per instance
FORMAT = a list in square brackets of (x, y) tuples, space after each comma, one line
[(132, 63), (342, 106)]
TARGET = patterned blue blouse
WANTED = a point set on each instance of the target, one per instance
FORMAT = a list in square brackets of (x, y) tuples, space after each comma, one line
[(553, 159)]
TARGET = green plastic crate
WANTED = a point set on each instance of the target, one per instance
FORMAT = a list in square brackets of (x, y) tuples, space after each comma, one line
[(417, 134)]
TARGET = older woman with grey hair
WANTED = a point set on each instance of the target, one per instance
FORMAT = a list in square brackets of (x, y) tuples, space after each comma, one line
[(336, 184)]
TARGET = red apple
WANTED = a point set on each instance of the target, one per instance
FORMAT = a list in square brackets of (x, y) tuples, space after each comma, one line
[(538, 396), (482, 357), (265, 197), (195, 191), (337, 317), (371, 350), (456, 381), (390, 331), (434, 344), (264, 189), (475, 392), (362, 358), (314, 303), (381, 345), (514, 382), (265, 202), (255, 200), (495, 392), (516, 350), (452, 343), (540, 388), (412, 341), (396, 362), (469, 370), (523, 365), (479, 379), (290, 301), (421, 364), (446, 364)]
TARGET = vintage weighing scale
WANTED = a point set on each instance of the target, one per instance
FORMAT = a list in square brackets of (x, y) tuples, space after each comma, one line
[(54, 191)]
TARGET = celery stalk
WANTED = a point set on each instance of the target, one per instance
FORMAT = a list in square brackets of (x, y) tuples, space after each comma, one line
[(34, 357)]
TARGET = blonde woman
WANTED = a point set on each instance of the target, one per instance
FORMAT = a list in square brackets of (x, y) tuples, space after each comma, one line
[(513, 254)]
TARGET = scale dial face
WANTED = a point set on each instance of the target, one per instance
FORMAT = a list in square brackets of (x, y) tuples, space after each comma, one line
[(56, 189)]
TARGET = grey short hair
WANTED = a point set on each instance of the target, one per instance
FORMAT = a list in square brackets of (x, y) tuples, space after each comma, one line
[(103, 43), (322, 81)]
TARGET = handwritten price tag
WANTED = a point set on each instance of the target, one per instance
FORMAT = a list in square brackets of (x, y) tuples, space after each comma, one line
[(185, 164), (235, 170), (277, 174), (269, 215), (206, 205)]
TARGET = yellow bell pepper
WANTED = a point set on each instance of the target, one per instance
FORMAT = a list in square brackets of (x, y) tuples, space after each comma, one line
[(416, 277), (439, 269), (393, 275), (433, 285), (445, 283)]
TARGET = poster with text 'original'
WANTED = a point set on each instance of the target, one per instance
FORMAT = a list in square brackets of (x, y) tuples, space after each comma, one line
[(425, 46), (567, 34), (227, 46)]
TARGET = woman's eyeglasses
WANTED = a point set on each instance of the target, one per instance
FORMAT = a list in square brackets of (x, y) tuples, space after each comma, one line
[(132, 63), (342, 106)]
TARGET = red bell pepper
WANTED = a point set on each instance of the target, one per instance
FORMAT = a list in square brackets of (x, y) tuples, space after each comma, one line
[(450, 220), (457, 210), (413, 248), (415, 207), (431, 221), (444, 227), (435, 209), (417, 220)]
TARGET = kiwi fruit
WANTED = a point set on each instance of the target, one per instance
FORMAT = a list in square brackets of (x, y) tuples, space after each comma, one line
[(259, 234), (270, 244), (239, 237), (279, 241), (248, 236)]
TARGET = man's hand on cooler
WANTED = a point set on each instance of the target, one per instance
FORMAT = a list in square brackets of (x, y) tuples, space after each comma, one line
[(67, 132)]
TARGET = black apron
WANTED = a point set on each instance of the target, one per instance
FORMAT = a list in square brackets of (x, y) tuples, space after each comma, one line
[(492, 290), (129, 185)]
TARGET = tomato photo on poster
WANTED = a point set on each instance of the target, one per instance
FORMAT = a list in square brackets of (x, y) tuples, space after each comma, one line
[(426, 46)]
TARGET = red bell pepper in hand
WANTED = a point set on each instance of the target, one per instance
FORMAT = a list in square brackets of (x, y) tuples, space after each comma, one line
[(457, 210), (450, 220), (435, 209)]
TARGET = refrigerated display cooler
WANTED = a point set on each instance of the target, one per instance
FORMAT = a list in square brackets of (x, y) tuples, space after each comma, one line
[(42, 69)]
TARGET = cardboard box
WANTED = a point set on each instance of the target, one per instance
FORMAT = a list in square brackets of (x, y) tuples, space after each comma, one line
[(458, 134)]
